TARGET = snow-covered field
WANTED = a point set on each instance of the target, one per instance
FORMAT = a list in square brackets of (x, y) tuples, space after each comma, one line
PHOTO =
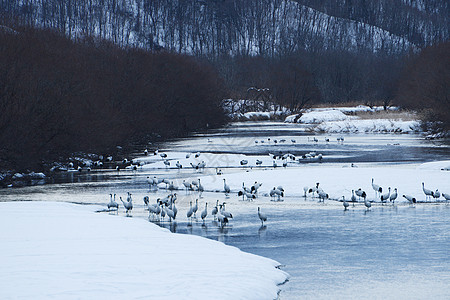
[(342, 120), (366, 126), (338, 120), (67, 251)]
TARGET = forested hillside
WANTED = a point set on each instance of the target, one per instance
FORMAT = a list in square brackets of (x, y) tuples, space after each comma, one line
[(244, 27)]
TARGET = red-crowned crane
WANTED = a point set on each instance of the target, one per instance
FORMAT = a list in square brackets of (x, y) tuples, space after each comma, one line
[(385, 197), (411, 199), (393, 196), (128, 205), (226, 187), (204, 212), (261, 216), (112, 203), (345, 203), (376, 188), (428, 193), (195, 208), (215, 210)]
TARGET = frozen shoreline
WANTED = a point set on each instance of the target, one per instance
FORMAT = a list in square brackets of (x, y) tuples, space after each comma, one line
[(67, 251)]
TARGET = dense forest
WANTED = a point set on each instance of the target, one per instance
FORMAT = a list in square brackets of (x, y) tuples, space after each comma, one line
[(89, 75), (59, 96)]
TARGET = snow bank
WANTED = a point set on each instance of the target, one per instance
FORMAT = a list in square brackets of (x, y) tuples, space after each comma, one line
[(66, 251), (355, 109), (252, 115), (376, 126), (317, 117), (436, 165)]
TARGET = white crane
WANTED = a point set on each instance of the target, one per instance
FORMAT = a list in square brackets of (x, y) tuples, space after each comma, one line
[(261, 216), (195, 208), (385, 196), (323, 196), (277, 192), (376, 188), (411, 199), (305, 190), (215, 210), (226, 187), (222, 219), (200, 188), (154, 209), (393, 196), (175, 210), (170, 213), (428, 193), (436, 194), (112, 203), (150, 182), (315, 189), (360, 193), (163, 212), (146, 200), (190, 211), (128, 205), (224, 212), (195, 183), (446, 196), (367, 203), (353, 198), (249, 196), (345, 203), (204, 212), (255, 187), (187, 185)]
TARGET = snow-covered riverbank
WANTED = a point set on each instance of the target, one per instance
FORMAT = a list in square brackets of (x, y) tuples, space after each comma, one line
[(66, 251), (343, 120)]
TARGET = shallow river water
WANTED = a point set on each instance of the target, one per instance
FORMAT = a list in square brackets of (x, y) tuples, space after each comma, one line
[(395, 252)]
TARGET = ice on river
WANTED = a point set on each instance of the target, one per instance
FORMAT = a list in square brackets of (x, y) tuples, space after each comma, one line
[(66, 251)]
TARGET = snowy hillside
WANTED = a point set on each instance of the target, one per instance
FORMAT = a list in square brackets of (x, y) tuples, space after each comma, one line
[(242, 27)]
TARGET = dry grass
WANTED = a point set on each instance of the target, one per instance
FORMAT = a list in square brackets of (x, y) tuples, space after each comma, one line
[(390, 115), (343, 104)]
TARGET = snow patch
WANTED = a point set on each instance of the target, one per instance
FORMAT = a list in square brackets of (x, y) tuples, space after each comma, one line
[(366, 126), (66, 251)]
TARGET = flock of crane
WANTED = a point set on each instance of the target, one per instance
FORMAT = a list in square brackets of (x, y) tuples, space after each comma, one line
[(167, 207)]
